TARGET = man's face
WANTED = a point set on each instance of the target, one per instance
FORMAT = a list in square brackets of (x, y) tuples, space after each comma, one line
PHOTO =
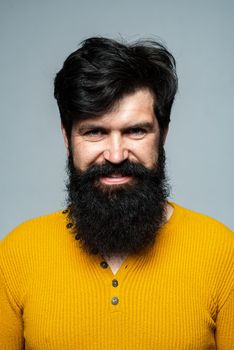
[(129, 132), (117, 187)]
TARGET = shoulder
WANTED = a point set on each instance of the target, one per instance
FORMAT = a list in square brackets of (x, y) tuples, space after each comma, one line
[(33, 234), (32, 241), (35, 226), (25, 249), (202, 225), (202, 237)]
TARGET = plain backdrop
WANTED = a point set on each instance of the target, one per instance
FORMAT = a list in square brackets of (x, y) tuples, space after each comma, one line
[(36, 37)]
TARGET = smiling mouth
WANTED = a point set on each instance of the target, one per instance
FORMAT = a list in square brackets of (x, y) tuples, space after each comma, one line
[(115, 179)]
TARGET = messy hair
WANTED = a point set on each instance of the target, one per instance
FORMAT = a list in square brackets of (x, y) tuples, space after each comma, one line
[(103, 71)]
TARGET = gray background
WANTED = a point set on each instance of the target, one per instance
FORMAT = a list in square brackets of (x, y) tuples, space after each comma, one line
[(36, 37)]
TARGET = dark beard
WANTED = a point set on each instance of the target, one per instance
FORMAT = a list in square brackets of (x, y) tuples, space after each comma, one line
[(120, 219)]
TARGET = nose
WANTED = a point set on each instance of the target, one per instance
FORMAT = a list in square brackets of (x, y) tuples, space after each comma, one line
[(115, 151)]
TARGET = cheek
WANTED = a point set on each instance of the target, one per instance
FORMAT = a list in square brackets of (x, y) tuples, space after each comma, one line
[(84, 154), (151, 157), (147, 153)]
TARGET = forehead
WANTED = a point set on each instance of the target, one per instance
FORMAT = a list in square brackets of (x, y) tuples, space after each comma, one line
[(135, 108)]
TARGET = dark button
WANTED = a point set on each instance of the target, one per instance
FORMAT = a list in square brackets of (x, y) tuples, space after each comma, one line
[(114, 301), (65, 211), (115, 283), (104, 264), (69, 225)]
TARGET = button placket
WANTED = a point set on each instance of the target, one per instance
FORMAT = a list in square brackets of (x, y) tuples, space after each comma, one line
[(114, 300), (104, 264), (115, 283), (115, 295), (69, 225)]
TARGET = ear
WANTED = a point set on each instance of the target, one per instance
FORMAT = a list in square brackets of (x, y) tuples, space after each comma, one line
[(66, 142)]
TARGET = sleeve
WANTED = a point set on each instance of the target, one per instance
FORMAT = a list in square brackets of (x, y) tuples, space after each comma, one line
[(225, 325), (11, 322)]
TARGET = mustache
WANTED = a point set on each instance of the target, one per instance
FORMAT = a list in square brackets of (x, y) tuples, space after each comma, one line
[(126, 168)]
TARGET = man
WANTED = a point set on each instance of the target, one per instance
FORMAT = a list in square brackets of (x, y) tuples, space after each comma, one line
[(121, 267)]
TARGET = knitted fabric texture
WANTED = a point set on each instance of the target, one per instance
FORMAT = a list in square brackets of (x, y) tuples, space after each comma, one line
[(54, 296)]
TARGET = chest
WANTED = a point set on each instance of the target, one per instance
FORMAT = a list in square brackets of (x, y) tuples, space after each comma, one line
[(141, 307)]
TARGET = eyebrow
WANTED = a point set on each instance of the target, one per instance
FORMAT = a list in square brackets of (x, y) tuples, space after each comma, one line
[(147, 125)]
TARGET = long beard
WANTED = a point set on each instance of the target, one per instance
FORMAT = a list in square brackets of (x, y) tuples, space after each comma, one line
[(117, 220)]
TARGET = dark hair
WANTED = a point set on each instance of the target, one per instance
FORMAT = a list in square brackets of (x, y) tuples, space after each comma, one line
[(102, 71)]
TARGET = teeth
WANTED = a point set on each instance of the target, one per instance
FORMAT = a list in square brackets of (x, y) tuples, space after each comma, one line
[(115, 175)]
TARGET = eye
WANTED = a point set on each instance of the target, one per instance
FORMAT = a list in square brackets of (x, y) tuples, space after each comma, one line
[(136, 133), (94, 134)]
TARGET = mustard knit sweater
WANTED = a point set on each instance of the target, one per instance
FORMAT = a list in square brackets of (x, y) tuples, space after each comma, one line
[(53, 296)]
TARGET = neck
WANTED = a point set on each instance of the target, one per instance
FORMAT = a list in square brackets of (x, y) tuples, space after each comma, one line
[(115, 263)]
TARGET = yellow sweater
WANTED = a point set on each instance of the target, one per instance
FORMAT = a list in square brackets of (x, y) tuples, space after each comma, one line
[(53, 296)]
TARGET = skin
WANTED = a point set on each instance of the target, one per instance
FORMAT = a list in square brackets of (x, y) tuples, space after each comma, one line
[(130, 131)]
